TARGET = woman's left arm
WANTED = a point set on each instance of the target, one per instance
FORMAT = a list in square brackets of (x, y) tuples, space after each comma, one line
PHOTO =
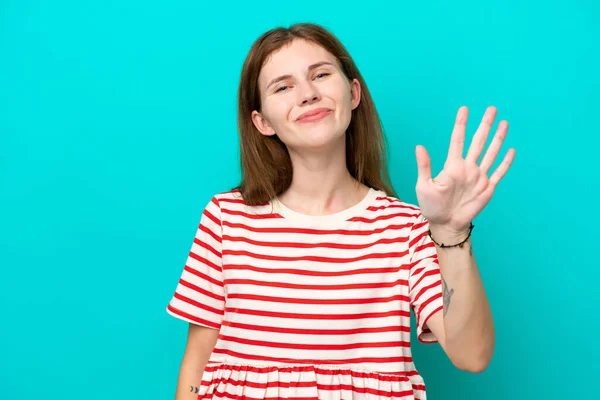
[(465, 327), (450, 202)]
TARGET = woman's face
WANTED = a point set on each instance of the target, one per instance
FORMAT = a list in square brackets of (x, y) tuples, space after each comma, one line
[(306, 98)]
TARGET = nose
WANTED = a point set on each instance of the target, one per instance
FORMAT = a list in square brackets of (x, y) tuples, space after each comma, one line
[(309, 94)]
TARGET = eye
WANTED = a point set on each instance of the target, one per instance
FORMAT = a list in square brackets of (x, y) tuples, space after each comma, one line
[(322, 74), (279, 89)]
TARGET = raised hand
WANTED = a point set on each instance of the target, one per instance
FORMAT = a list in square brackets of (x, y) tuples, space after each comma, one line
[(452, 199)]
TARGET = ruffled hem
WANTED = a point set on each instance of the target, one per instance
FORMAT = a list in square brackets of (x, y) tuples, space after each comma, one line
[(306, 382)]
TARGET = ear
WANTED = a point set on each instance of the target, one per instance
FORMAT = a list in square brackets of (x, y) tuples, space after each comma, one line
[(261, 123), (355, 92)]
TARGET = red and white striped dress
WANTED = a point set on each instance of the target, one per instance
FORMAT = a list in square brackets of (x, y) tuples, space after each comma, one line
[(311, 307)]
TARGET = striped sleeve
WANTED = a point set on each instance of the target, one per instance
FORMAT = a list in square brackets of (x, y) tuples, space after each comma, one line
[(425, 279), (199, 296)]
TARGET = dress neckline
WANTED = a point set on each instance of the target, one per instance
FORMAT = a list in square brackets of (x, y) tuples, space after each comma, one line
[(328, 219)]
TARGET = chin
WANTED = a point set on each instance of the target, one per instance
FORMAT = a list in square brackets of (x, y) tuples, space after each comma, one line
[(323, 140)]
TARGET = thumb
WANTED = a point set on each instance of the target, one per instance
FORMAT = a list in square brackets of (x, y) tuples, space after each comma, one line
[(423, 164)]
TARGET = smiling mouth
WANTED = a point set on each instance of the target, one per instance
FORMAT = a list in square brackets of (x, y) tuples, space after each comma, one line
[(315, 117)]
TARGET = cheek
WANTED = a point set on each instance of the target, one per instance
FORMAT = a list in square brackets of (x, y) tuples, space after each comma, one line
[(339, 91), (348, 96), (344, 102), (279, 111)]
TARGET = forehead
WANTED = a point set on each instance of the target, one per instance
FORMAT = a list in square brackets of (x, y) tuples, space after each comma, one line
[(293, 58)]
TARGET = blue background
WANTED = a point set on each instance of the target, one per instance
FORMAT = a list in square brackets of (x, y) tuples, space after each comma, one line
[(117, 125)]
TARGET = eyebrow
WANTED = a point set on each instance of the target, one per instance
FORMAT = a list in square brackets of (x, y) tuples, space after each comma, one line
[(310, 68)]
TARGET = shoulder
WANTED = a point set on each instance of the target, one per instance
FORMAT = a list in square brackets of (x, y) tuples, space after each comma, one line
[(229, 197), (384, 204), (231, 203), (232, 198), (405, 216)]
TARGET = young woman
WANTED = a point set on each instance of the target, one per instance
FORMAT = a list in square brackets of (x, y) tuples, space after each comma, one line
[(300, 282)]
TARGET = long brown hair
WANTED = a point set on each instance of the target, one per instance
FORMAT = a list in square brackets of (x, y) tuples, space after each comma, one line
[(265, 161)]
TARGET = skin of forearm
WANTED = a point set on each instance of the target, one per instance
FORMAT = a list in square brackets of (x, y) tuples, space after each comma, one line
[(188, 383), (468, 322)]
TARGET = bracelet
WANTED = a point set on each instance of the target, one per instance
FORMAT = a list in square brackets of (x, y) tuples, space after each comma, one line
[(453, 245)]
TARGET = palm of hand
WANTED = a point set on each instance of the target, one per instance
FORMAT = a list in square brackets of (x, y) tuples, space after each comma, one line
[(462, 189)]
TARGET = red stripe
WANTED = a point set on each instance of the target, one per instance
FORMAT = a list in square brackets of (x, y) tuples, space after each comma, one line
[(206, 246), (304, 245), (201, 290), (414, 263), (361, 271), (389, 199), (423, 222), (308, 346), (380, 376), (417, 270), (427, 245), (195, 303), (431, 272), (256, 385), (440, 308), (393, 205), (384, 375), (221, 394), (330, 317), (292, 300), (381, 217), (426, 289), (191, 317), (209, 215), (203, 276), (304, 331), (426, 303), (363, 390), (205, 261), (358, 360), (208, 231), (229, 382), (347, 232), (372, 256), (292, 271), (417, 238), (251, 216), (242, 202), (431, 314), (298, 286)]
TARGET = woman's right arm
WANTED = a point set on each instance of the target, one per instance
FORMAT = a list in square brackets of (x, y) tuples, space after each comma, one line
[(200, 344)]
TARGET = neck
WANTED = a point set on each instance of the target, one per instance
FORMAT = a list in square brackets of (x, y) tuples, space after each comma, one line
[(322, 184)]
